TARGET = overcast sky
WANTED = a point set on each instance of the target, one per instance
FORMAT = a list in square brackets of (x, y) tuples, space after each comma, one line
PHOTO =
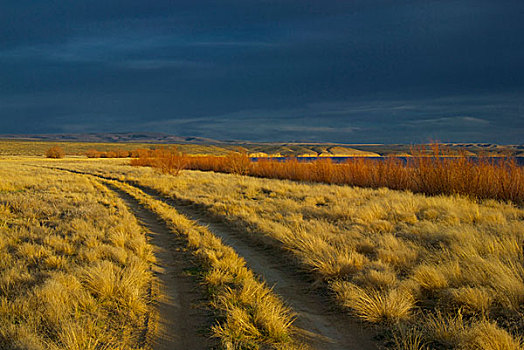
[(355, 71)]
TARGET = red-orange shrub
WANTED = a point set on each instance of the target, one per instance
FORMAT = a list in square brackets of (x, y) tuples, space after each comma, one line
[(55, 152), (429, 171), (238, 163), (93, 153), (166, 160), (122, 153)]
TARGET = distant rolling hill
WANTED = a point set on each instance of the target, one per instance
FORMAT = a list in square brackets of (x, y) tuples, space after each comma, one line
[(129, 137), (78, 143)]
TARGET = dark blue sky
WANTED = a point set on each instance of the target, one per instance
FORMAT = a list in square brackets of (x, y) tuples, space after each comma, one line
[(267, 70)]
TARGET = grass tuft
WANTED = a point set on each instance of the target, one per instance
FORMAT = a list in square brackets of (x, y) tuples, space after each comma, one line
[(488, 336), (375, 306)]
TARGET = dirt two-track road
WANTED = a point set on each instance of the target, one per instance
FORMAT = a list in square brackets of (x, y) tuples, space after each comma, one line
[(182, 324)]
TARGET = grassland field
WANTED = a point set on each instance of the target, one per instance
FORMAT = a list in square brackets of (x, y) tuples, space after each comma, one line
[(10, 147), (425, 272), (38, 148)]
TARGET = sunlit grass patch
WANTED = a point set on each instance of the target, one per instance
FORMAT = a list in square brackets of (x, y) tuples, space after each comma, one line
[(389, 306), (486, 335), (63, 283)]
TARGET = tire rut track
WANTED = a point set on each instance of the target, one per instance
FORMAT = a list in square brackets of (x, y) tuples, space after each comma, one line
[(318, 321), (320, 324), (179, 325)]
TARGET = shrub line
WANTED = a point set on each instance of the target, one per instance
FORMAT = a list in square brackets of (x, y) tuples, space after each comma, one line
[(432, 172)]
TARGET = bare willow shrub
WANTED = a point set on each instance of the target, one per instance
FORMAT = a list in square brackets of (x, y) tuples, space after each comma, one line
[(238, 163), (169, 161), (431, 171), (166, 160), (93, 153), (55, 152)]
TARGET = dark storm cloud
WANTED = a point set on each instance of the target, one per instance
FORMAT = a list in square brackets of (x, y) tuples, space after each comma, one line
[(348, 71), (407, 121)]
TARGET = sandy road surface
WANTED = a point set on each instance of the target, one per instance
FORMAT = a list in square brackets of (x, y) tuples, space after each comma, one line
[(181, 325)]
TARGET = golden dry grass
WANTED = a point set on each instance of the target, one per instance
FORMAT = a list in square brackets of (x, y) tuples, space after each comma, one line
[(100, 302), (39, 148), (445, 265), (74, 264)]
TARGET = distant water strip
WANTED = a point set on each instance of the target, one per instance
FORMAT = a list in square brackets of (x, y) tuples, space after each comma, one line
[(519, 160)]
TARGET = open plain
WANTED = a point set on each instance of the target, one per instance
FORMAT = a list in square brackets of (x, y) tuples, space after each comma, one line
[(100, 254)]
